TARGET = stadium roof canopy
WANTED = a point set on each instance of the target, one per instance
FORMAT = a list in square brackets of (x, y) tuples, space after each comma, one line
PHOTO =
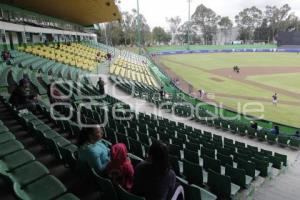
[(84, 12)]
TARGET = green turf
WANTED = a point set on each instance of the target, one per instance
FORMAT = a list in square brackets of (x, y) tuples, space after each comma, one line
[(271, 112), (208, 47), (203, 80), (228, 60), (195, 69), (288, 81)]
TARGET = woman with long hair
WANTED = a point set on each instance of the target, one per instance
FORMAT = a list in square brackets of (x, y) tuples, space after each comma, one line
[(154, 179)]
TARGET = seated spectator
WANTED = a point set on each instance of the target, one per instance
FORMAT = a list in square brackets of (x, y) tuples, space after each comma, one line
[(253, 125), (120, 169), (108, 56), (297, 134), (153, 179), (98, 57), (25, 77), (100, 85), (55, 95), (92, 150), (5, 55), (275, 130), (24, 96)]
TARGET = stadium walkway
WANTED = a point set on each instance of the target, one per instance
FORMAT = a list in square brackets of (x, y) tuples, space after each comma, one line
[(280, 185), (286, 186)]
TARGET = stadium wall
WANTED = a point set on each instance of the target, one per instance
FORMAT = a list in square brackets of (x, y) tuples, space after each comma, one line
[(294, 50)]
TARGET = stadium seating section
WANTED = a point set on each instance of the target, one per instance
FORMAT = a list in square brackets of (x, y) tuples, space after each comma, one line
[(75, 54), (207, 165), (133, 68), (202, 115)]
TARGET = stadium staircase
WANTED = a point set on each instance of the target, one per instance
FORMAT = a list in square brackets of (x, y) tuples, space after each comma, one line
[(26, 135)]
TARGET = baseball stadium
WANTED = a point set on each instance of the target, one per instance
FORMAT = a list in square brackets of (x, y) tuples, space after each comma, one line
[(95, 103)]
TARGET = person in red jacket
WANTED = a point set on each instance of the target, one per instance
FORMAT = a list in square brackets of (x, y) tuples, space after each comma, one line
[(120, 169)]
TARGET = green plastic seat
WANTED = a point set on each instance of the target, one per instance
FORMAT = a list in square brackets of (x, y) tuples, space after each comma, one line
[(221, 185), (294, 143), (271, 138), (124, 195), (15, 160), (238, 176), (144, 138), (251, 133), (261, 135), (225, 160), (249, 168), (175, 150), (3, 129), (68, 155), (192, 146), (105, 186), (10, 147), (61, 141), (54, 144), (68, 196), (213, 164), (262, 166), (46, 188), (283, 140), (136, 147), (28, 173), (191, 156), (34, 123), (195, 192), (193, 173), (4, 137), (50, 134), (240, 144), (266, 152), (207, 152), (282, 157), (40, 126)]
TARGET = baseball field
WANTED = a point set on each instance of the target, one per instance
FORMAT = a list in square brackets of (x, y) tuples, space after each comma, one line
[(261, 75)]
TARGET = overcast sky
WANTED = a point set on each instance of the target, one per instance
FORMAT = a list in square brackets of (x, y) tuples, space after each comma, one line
[(156, 11)]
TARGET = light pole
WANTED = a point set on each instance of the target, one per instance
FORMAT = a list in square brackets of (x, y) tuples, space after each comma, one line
[(189, 24), (138, 26)]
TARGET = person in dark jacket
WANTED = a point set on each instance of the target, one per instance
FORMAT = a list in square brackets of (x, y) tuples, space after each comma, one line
[(253, 125), (297, 135), (24, 96), (275, 130), (162, 92), (100, 85), (154, 179)]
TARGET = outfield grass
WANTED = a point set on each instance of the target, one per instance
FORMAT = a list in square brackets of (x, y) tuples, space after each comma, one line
[(288, 81), (195, 75), (283, 114), (228, 60), (208, 47), (203, 80)]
